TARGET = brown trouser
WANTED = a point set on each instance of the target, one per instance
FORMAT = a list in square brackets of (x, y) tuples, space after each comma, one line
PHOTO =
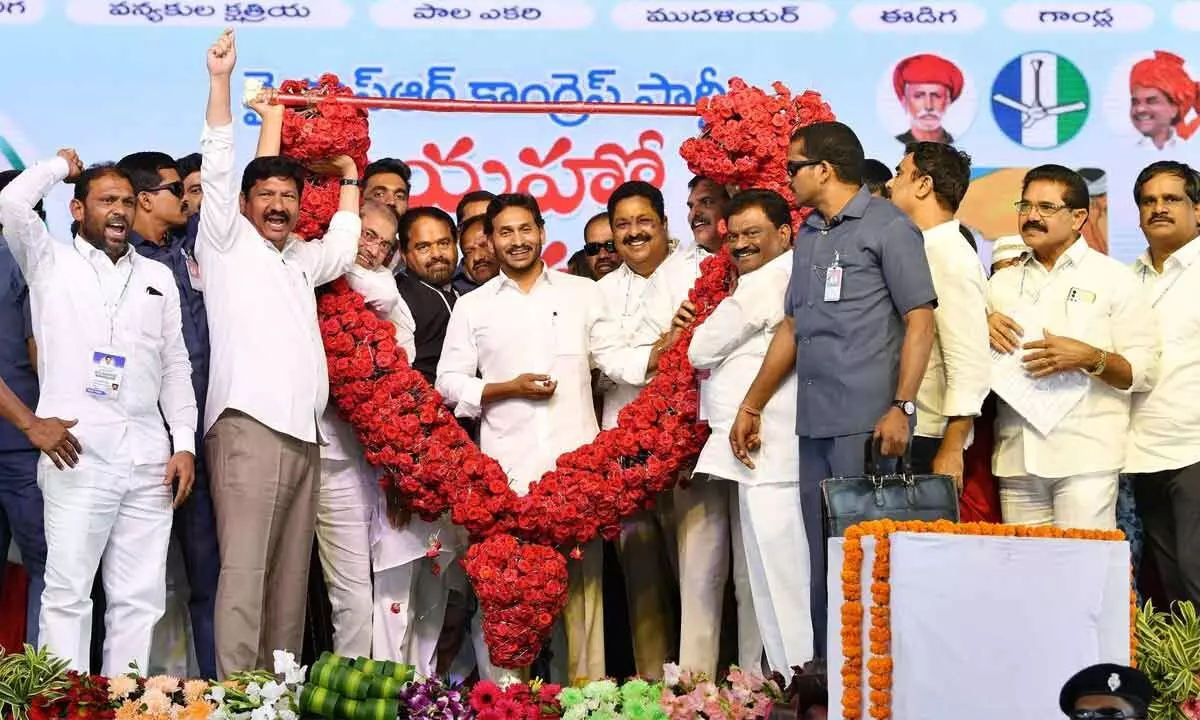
[(264, 488)]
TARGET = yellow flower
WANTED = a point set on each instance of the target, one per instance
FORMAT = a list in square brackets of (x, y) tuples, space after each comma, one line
[(165, 684), (156, 701), (194, 690)]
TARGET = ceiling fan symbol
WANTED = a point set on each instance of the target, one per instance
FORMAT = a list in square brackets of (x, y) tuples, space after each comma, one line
[(1035, 113)]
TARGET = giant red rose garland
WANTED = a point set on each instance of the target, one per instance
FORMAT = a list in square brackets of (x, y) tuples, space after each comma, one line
[(430, 464)]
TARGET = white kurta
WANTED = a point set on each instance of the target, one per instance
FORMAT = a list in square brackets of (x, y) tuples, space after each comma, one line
[(764, 514), (113, 503)]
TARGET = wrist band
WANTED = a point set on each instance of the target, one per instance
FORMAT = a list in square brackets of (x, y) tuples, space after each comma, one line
[(750, 411), (1099, 368)]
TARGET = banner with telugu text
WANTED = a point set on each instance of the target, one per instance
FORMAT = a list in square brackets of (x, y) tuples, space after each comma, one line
[(1107, 86)]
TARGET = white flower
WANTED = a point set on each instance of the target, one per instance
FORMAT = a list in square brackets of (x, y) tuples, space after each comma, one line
[(285, 665), (253, 691), (217, 693), (263, 713), (272, 691), (670, 674), (285, 714)]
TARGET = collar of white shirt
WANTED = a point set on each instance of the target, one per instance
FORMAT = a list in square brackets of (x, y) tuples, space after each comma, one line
[(504, 282), (91, 253), (1184, 257), (1073, 256), (944, 232)]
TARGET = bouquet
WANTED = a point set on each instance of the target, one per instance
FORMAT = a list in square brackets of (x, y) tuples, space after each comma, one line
[(688, 695), (517, 701), (635, 700)]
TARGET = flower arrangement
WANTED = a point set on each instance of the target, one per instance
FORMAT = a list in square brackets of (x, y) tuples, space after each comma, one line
[(1169, 643), (430, 465), (687, 695), (879, 665), (320, 131), (746, 136), (434, 698), (517, 701), (635, 699), (83, 696), (159, 698)]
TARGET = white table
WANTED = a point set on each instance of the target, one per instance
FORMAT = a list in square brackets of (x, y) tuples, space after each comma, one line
[(988, 628)]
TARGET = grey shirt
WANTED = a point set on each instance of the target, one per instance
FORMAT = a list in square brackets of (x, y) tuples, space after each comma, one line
[(848, 351)]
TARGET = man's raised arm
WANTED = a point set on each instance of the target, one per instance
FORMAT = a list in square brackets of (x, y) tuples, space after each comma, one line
[(220, 210), (24, 229)]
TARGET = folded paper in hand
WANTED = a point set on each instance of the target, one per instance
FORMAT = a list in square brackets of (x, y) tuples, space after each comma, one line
[(1044, 402)]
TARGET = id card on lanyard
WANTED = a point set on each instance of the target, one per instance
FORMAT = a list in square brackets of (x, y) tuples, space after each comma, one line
[(833, 279)]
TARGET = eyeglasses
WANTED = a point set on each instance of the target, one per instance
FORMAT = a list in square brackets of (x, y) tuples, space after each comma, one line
[(1045, 209), (795, 166), (592, 249), (175, 188), (1108, 713), (374, 239)]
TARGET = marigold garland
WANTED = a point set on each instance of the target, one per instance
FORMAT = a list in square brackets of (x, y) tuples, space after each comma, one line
[(429, 464), (879, 666)]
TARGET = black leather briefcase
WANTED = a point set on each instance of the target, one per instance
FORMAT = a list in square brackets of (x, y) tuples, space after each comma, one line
[(877, 495)]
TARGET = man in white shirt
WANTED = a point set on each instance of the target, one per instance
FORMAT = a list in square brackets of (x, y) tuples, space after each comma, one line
[(930, 183), (268, 380), (1163, 459), (517, 354), (111, 353), (1099, 333), (638, 231), (764, 516)]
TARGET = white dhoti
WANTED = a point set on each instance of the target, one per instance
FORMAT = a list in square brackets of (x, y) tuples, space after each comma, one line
[(410, 599), (705, 534), (121, 513), (767, 519), (344, 509)]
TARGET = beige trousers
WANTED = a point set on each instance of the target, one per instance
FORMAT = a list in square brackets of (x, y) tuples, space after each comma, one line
[(647, 550), (264, 488), (583, 617)]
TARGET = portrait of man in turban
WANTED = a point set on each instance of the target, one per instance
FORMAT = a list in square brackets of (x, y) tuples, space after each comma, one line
[(1164, 101), (926, 85)]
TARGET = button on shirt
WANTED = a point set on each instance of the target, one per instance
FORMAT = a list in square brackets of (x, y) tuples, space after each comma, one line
[(731, 343), (1165, 428), (848, 352), (1093, 298), (16, 327), (957, 378), (624, 293), (82, 302), (501, 332), (267, 359)]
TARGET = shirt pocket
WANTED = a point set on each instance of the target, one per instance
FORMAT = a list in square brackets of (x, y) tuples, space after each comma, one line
[(150, 324), (1089, 321), (568, 334)]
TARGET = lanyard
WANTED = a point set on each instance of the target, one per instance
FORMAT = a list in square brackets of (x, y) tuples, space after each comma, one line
[(110, 309), (441, 295), (1166, 289)]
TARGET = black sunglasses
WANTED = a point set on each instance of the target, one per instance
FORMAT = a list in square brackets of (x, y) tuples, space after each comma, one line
[(592, 249), (175, 188), (795, 166)]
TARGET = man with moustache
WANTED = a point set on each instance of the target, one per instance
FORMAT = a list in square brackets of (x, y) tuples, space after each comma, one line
[(763, 515), (161, 232), (1163, 460), (598, 246), (1161, 97), (193, 193), (268, 383), (1088, 321), (429, 245), (472, 204), (478, 258), (111, 354), (534, 396), (930, 182), (638, 231), (926, 86), (706, 208), (857, 330)]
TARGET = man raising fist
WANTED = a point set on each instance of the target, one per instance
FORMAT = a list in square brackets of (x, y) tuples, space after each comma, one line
[(111, 355), (268, 383)]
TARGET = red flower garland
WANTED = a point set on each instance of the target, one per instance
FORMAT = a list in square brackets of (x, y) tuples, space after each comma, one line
[(426, 457), (321, 131)]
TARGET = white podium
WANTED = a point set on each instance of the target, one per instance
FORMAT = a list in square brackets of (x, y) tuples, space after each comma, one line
[(987, 628)]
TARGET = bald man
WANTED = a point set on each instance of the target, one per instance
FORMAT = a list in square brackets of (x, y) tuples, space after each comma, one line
[(926, 85)]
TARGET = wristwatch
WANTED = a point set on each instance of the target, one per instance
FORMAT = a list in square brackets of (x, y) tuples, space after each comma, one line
[(349, 181), (908, 407), (1098, 369)]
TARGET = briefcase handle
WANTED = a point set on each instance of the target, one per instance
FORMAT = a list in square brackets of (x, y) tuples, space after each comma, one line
[(875, 458)]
